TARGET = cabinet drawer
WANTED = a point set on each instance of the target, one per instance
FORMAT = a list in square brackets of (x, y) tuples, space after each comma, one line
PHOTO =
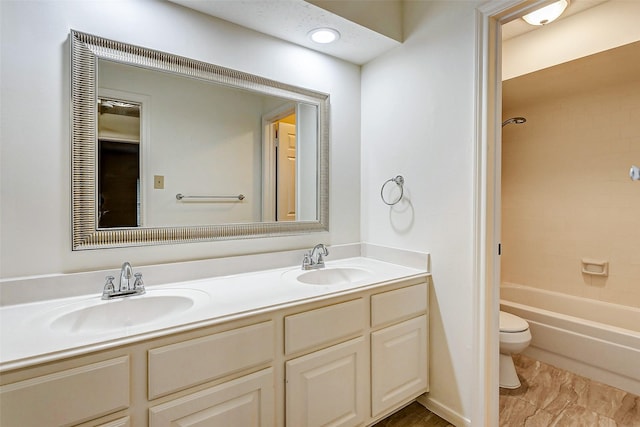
[(67, 397), (399, 304), (182, 365), (323, 326), (246, 401)]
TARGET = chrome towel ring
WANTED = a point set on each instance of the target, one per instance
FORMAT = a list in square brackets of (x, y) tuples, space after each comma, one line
[(399, 180)]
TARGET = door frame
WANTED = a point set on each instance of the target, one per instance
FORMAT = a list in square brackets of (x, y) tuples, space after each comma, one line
[(269, 171), (487, 201), (146, 182)]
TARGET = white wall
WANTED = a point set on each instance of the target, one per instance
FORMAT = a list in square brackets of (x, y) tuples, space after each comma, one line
[(35, 235), (418, 121), (205, 139)]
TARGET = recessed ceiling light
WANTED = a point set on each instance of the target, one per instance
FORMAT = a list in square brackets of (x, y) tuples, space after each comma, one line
[(324, 35), (546, 14)]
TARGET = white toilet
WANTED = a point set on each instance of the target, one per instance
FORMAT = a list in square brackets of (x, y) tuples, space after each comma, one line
[(514, 338)]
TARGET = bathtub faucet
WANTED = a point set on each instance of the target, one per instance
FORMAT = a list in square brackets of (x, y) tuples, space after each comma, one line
[(125, 289)]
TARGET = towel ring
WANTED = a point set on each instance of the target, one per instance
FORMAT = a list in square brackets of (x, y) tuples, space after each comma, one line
[(399, 180)]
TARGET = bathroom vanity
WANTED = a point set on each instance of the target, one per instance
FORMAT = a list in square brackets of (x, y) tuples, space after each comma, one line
[(344, 347)]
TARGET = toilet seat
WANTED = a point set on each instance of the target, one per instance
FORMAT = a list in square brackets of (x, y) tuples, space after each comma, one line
[(510, 323)]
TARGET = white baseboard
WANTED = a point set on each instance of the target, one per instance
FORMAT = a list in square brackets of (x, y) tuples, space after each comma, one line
[(443, 411)]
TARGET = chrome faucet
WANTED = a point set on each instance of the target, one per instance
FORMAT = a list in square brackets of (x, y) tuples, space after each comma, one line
[(126, 272), (125, 288), (314, 258)]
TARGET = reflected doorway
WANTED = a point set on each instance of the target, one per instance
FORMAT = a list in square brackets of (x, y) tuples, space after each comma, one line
[(280, 164), (286, 168), (119, 184), (290, 166), (118, 163)]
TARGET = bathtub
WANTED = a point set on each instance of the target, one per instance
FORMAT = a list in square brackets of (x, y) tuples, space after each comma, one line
[(594, 339)]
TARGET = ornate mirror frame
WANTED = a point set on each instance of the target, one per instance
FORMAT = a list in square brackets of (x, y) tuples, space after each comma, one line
[(86, 49)]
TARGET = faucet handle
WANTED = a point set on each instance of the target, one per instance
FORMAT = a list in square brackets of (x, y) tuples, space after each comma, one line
[(109, 282), (109, 288), (306, 261), (138, 285)]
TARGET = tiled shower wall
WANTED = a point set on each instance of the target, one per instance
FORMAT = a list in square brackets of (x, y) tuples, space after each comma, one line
[(566, 192)]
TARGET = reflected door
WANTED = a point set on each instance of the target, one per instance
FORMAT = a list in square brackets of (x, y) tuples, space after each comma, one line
[(286, 175)]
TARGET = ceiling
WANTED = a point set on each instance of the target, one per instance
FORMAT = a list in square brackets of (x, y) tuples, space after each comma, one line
[(291, 20), (616, 66), (518, 26)]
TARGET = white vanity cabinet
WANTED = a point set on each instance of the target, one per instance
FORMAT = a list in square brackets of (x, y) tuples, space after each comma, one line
[(244, 401), (346, 359), (370, 357), (328, 386), (220, 376), (399, 357)]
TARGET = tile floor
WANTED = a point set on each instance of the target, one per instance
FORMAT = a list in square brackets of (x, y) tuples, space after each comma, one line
[(553, 397), (548, 397)]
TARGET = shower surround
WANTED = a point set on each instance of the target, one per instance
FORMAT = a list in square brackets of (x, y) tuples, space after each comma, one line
[(566, 192)]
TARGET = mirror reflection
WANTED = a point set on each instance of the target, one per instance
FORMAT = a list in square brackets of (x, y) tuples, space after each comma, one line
[(118, 163), (175, 151), (167, 149)]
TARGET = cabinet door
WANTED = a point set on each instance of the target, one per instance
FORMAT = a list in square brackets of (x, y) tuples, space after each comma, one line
[(328, 387), (247, 401), (398, 364), (121, 422)]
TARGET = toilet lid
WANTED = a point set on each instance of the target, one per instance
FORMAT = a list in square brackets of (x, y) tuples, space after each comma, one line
[(512, 323)]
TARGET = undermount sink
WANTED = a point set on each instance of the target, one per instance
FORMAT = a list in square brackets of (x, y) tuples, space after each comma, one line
[(96, 315), (330, 276)]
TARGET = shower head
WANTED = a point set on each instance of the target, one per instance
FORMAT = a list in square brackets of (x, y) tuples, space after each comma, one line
[(515, 120)]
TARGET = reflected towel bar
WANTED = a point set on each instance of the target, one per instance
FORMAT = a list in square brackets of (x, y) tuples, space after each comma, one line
[(181, 196)]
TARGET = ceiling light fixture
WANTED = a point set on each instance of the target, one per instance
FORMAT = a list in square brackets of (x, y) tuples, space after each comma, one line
[(546, 14), (324, 35)]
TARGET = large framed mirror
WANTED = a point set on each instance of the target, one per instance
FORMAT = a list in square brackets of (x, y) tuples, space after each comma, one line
[(167, 149)]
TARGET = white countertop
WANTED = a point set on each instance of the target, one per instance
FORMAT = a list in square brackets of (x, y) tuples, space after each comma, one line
[(28, 337)]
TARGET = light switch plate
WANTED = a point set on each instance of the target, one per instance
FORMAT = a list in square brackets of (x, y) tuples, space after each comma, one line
[(158, 182)]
